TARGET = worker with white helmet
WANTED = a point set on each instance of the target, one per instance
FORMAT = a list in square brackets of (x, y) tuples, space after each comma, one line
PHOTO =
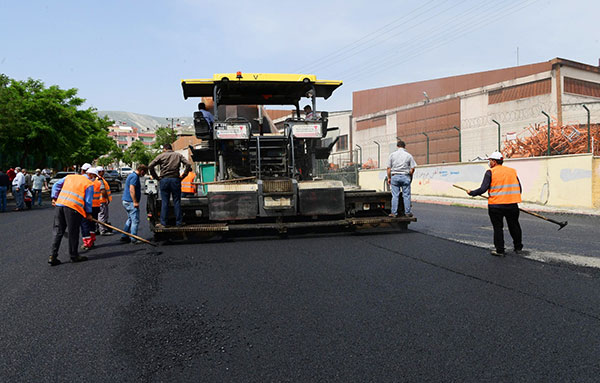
[(88, 227), (504, 189), (105, 200)]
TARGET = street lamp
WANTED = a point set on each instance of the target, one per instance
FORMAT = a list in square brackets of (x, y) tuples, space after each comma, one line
[(378, 154), (425, 134)]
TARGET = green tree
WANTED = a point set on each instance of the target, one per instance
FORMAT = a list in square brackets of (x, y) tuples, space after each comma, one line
[(39, 123), (164, 136), (138, 153)]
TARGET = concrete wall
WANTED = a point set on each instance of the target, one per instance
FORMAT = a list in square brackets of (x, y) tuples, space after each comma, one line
[(596, 183), (560, 181)]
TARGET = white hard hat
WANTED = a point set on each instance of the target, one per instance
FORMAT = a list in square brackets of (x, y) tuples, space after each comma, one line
[(85, 166), (99, 168), (496, 156), (92, 171)]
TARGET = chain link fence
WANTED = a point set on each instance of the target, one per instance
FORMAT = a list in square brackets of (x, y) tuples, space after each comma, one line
[(341, 166)]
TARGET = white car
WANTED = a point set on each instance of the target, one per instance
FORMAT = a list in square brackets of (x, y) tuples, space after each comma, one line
[(125, 171)]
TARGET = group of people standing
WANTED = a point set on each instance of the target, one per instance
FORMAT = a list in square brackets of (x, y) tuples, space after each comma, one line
[(82, 201), (25, 187)]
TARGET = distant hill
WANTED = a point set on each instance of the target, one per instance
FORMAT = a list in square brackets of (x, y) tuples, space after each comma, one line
[(142, 121)]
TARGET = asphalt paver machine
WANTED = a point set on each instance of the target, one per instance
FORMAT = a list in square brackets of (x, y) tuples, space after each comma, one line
[(265, 175)]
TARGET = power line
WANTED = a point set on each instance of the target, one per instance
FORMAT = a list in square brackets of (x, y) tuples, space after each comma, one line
[(439, 31), (457, 34), (337, 52), (414, 21)]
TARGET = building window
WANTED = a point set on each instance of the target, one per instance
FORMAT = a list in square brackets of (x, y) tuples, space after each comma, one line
[(342, 143)]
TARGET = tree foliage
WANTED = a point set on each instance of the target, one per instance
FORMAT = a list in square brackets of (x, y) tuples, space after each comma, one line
[(164, 135), (138, 153), (38, 122)]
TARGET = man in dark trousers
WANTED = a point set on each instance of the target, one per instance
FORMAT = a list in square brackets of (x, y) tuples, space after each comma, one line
[(170, 181), (505, 194), (4, 186), (72, 197)]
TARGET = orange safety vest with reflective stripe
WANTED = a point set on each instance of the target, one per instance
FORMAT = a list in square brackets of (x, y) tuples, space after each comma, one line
[(187, 185), (97, 193), (72, 194), (108, 193), (504, 188)]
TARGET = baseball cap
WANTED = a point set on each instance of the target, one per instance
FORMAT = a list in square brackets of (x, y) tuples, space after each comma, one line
[(92, 171), (99, 168), (85, 166), (496, 156)]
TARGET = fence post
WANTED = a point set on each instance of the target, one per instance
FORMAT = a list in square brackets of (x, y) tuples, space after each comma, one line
[(425, 134), (588, 127), (459, 145), (546, 114)]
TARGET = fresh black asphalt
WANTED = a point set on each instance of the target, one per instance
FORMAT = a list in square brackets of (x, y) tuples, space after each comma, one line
[(382, 308)]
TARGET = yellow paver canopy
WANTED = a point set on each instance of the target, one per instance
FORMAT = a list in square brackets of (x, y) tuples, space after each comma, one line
[(259, 88)]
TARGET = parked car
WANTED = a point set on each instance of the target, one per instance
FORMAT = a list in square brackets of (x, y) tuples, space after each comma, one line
[(57, 177), (114, 179), (125, 171)]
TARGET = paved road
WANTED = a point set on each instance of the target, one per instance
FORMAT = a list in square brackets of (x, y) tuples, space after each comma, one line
[(388, 307)]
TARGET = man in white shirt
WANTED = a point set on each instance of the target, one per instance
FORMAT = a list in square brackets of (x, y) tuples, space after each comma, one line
[(18, 189), (401, 166)]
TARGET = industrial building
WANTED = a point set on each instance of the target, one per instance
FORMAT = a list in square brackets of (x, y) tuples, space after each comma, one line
[(466, 117)]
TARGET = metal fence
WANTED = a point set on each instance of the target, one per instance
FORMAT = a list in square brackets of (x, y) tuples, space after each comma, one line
[(341, 166)]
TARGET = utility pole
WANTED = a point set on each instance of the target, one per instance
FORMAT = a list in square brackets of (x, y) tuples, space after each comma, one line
[(172, 120)]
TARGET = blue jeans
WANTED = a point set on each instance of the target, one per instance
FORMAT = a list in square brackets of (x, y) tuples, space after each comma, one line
[(3, 198), (168, 187), (400, 181), (133, 219), (19, 197), (37, 193)]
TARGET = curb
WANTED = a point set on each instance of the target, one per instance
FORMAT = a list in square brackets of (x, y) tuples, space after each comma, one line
[(481, 203)]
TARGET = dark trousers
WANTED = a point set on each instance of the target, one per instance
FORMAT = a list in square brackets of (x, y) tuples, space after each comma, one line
[(66, 218), (88, 226), (497, 215), (168, 187)]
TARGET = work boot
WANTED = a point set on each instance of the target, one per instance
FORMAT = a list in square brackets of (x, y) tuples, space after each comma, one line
[(53, 261), (79, 258), (84, 248), (497, 253), (125, 239)]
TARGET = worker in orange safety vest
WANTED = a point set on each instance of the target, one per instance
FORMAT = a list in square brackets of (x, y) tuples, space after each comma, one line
[(504, 188), (188, 189), (72, 197), (88, 227), (105, 200)]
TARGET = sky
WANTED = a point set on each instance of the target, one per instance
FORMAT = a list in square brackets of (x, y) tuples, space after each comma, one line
[(131, 55)]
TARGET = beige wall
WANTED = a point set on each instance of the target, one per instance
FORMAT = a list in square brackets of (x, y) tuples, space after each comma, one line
[(560, 181), (596, 183)]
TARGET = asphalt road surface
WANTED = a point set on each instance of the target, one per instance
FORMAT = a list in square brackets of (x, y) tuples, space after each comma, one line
[(415, 307)]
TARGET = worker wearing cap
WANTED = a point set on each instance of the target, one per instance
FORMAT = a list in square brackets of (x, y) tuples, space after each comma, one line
[(504, 190), (188, 189), (72, 196), (88, 227), (84, 168), (105, 200)]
